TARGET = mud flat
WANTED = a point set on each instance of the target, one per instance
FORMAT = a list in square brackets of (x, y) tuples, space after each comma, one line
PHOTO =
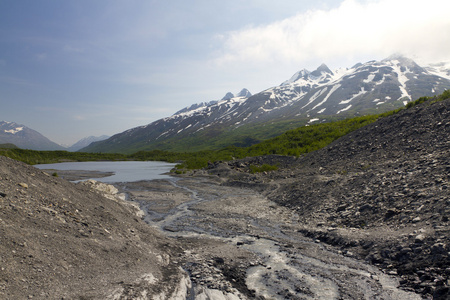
[(75, 175), (237, 244)]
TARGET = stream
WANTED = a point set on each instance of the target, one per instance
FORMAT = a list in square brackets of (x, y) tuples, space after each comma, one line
[(285, 264)]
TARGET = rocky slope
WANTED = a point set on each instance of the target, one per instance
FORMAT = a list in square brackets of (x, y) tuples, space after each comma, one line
[(60, 240), (381, 193)]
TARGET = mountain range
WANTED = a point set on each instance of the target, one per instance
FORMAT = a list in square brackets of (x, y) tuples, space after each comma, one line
[(27, 138), (308, 97)]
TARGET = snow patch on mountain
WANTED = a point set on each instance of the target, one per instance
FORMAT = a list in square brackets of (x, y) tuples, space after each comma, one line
[(14, 130), (344, 109), (402, 78), (333, 89), (315, 96), (361, 92)]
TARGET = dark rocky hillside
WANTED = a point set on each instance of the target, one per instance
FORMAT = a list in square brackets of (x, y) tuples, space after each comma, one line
[(382, 193)]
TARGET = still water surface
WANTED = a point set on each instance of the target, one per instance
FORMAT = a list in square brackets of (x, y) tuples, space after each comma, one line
[(124, 171)]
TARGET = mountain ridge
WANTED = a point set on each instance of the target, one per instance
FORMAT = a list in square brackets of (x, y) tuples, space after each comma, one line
[(307, 97)]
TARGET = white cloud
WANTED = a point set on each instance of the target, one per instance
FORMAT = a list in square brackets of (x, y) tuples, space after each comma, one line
[(355, 29)]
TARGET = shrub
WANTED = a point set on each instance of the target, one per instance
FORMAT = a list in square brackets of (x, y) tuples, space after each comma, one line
[(262, 168)]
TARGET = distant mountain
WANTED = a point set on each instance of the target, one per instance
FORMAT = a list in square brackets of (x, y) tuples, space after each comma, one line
[(244, 93), (25, 138), (307, 97), (84, 142)]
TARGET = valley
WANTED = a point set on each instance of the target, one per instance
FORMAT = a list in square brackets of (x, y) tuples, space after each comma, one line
[(366, 216)]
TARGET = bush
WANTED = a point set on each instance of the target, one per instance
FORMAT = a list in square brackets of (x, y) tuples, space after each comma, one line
[(262, 168)]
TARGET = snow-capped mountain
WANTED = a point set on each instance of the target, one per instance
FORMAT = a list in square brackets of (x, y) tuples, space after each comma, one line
[(25, 138), (441, 69), (307, 97), (84, 142)]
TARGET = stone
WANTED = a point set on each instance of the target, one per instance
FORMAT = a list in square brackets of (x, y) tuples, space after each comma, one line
[(24, 185), (419, 238), (416, 219)]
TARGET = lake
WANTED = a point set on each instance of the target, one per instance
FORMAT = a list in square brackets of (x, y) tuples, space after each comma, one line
[(124, 171)]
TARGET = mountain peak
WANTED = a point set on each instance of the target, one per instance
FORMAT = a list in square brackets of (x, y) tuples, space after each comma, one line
[(244, 93), (402, 59), (228, 96), (11, 127), (323, 68), (196, 106), (300, 74)]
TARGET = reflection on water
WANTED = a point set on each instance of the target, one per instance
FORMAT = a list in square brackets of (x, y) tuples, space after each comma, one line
[(124, 171)]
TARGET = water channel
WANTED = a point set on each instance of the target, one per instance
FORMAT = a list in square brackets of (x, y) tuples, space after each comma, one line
[(290, 265)]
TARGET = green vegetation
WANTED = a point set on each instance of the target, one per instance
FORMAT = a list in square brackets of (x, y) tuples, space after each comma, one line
[(294, 142), (33, 157), (262, 168), (8, 146), (445, 95)]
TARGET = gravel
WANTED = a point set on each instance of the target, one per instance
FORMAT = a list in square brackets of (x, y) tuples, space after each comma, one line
[(381, 193)]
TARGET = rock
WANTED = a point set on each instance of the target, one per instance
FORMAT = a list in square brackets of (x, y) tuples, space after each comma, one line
[(219, 260), (438, 248), (419, 238)]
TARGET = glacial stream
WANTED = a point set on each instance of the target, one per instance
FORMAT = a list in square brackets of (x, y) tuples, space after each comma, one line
[(290, 265)]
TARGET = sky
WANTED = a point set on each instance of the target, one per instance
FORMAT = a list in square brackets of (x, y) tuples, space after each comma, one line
[(75, 68)]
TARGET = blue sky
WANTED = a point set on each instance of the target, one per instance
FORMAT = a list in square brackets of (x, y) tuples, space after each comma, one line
[(74, 68)]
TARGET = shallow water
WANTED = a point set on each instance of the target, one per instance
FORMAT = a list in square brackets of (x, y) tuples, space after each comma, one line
[(124, 171)]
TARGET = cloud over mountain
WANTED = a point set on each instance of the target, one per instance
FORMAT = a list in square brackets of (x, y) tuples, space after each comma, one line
[(375, 28)]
